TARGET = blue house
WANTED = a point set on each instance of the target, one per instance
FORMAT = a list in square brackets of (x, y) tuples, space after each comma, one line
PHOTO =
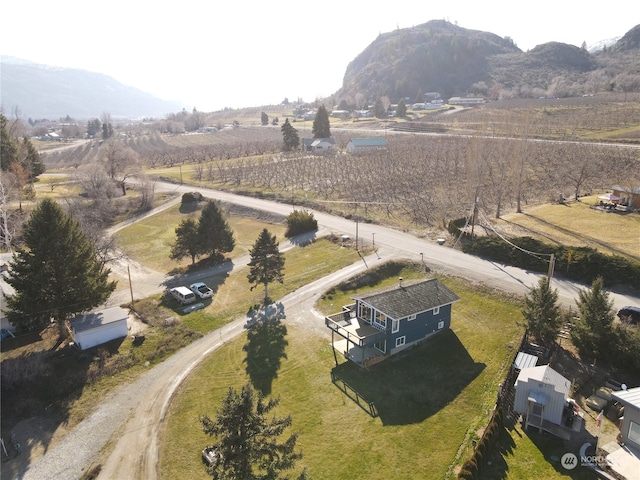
[(384, 322)]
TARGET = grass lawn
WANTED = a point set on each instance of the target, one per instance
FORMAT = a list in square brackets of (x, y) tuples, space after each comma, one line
[(575, 224), (429, 401), (149, 241)]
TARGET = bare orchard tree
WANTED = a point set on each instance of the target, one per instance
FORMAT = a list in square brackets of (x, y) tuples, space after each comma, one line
[(147, 188), (120, 162), (95, 181)]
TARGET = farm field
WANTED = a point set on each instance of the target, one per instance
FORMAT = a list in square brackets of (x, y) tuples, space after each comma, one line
[(430, 401)]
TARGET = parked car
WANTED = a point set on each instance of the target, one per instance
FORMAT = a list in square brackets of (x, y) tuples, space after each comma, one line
[(183, 295), (201, 290), (209, 456), (6, 334), (630, 314)]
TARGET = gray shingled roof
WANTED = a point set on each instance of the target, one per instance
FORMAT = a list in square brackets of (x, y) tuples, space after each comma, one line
[(407, 299)]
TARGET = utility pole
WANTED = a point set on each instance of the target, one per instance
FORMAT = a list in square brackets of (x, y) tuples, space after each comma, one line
[(475, 209), (552, 265)]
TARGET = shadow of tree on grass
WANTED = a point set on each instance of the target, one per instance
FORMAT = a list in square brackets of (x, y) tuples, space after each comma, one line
[(265, 347)]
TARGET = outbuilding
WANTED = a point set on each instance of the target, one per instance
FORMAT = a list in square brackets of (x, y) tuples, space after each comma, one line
[(96, 328), (541, 395)]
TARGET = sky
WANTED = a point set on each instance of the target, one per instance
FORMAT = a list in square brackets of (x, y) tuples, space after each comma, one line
[(241, 53)]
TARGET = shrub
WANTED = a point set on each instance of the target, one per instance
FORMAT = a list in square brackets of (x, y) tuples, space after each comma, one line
[(191, 197), (300, 221)]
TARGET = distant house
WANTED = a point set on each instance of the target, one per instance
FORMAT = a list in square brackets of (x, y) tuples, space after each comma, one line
[(318, 145), (363, 145), (340, 114), (466, 101), (541, 394), (95, 328), (628, 196), (384, 322)]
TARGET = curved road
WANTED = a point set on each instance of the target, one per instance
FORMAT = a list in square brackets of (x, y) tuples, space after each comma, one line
[(122, 435)]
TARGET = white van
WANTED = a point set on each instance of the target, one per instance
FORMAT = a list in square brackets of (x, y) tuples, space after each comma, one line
[(183, 295)]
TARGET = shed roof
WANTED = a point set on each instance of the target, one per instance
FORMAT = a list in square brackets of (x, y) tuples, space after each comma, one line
[(632, 190), (369, 142), (628, 397), (88, 321), (545, 374), (407, 299), (525, 360)]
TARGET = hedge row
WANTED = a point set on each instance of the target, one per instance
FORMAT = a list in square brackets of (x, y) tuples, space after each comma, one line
[(473, 468), (583, 264)]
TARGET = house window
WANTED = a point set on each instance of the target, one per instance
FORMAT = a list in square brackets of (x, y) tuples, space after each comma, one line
[(395, 326), (436, 310), (411, 317), (634, 432), (440, 325), (381, 319), (400, 341), (364, 312)]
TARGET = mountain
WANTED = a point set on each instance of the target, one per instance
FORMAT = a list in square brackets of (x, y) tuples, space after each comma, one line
[(41, 91), (439, 56)]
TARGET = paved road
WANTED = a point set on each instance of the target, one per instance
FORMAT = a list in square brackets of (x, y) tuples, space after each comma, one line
[(122, 435)]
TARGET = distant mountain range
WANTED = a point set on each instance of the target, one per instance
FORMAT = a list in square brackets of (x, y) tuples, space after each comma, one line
[(41, 91), (436, 56), (439, 56)]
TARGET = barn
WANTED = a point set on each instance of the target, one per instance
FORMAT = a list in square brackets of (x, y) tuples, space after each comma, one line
[(96, 328)]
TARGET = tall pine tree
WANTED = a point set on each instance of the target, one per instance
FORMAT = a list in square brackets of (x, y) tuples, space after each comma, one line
[(248, 445), (542, 312), (593, 333), (267, 262), (56, 274), (214, 233), (321, 127), (290, 137)]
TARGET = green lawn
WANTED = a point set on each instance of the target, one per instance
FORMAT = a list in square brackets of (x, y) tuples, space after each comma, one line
[(576, 224), (429, 401)]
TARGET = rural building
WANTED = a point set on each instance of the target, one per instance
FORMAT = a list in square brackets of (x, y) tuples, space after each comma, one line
[(356, 146), (541, 395), (466, 101), (630, 426), (340, 114), (384, 322), (318, 145), (96, 328), (627, 196)]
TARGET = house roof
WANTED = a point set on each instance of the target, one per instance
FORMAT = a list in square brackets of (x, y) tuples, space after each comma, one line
[(545, 374), (407, 299), (633, 190), (369, 142), (87, 321), (629, 397), (317, 141)]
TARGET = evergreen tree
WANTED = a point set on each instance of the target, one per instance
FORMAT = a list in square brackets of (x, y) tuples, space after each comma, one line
[(592, 333), (93, 127), (321, 127), (378, 110), (56, 275), (267, 262), (401, 111), (542, 312), (248, 445), (290, 136), (187, 241), (31, 161), (264, 118), (214, 233), (8, 147)]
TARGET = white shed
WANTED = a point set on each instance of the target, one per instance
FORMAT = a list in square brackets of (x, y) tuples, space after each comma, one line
[(541, 393), (96, 328)]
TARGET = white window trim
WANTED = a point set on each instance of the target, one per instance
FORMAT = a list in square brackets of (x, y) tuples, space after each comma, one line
[(400, 341), (440, 324), (411, 317), (436, 310), (395, 326)]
